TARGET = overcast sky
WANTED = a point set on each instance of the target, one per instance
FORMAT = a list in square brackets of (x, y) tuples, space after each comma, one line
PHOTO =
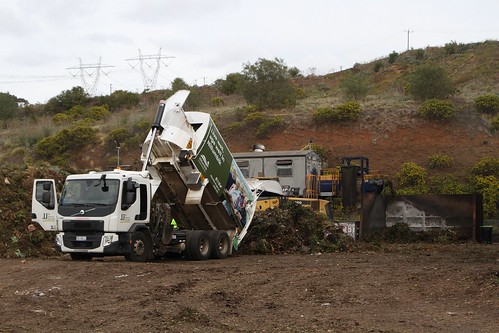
[(42, 42)]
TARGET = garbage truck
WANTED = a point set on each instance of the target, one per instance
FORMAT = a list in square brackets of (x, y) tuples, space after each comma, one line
[(189, 199)]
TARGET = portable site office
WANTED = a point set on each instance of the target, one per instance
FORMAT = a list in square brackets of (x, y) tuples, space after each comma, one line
[(289, 167)]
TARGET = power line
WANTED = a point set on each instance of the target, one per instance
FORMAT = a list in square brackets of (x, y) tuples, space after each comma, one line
[(149, 64), (91, 71)]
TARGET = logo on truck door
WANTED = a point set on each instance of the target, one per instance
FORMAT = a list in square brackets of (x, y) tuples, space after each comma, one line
[(124, 218), (49, 219)]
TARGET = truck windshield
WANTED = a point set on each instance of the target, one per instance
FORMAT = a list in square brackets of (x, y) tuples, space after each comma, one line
[(90, 192)]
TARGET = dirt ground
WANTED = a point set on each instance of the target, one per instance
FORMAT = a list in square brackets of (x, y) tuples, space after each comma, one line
[(402, 288)]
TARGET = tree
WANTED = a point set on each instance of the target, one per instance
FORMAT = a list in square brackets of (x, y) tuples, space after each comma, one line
[(120, 99), (8, 106), (179, 84), (267, 84), (294, 72), (429, 82), (66, 100), (231, 84)]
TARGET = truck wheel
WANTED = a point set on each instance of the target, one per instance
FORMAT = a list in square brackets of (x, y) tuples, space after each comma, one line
[(199, 245), (140, 248), (220, 244), (81, 256)]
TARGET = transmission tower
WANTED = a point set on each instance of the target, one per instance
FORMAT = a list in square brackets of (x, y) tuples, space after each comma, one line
[(149, 67), (90, 75)]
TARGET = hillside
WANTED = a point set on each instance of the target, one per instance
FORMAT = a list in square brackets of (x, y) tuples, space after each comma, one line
[(388, 132)]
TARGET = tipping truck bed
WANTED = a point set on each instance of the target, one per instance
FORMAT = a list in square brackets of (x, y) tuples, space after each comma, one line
[(195, 171)]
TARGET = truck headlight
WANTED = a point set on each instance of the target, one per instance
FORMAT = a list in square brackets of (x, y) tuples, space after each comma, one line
[(58, 240), (107, 240)]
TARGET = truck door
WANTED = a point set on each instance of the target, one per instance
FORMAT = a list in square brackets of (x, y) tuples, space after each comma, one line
[(44, 204)]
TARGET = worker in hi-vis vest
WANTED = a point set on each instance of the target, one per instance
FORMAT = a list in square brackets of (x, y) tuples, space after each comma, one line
[(174, 224)]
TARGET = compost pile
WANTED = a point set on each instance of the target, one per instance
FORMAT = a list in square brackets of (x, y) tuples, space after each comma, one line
[(292, 228), (18, 236)]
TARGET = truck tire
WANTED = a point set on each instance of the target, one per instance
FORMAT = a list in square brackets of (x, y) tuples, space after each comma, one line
[(140, 248), (81, 256), (220, 244), (199, 245)]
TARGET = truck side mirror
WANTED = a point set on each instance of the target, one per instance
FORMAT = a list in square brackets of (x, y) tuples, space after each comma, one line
[(129, 195), (131, 185)]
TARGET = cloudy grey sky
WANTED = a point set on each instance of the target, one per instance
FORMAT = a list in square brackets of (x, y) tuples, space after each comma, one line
[(209, 39)]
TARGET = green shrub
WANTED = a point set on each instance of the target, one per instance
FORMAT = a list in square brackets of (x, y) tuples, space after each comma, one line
[(119, 134), (420, 53), (447, 185), (322, 151), (263, 122), (217, 101), (235, 126), (451, 48), (76, 112), (430, 81), (300, 93), (488, 186), (49, 147), (325, 114), (392, 57), (61, 118), (349, 111), (440, 161), (268, 125), (435, 109), (255, 118), (487, 104), (377, 66), (243, 111), (355, 87), (78, 136), (343, 112), (68, 139), (412, 179), (98, 112), (488, 166)]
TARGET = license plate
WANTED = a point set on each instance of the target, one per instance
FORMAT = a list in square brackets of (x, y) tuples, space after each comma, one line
[(81, 238)]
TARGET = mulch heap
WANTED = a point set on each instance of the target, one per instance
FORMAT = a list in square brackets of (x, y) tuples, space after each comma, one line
[(292, 228), (20, 238)]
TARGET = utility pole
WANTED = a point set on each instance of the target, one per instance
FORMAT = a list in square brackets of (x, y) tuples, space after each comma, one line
[(153, 63), (89, 71), (118, 151), (408, 32)]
